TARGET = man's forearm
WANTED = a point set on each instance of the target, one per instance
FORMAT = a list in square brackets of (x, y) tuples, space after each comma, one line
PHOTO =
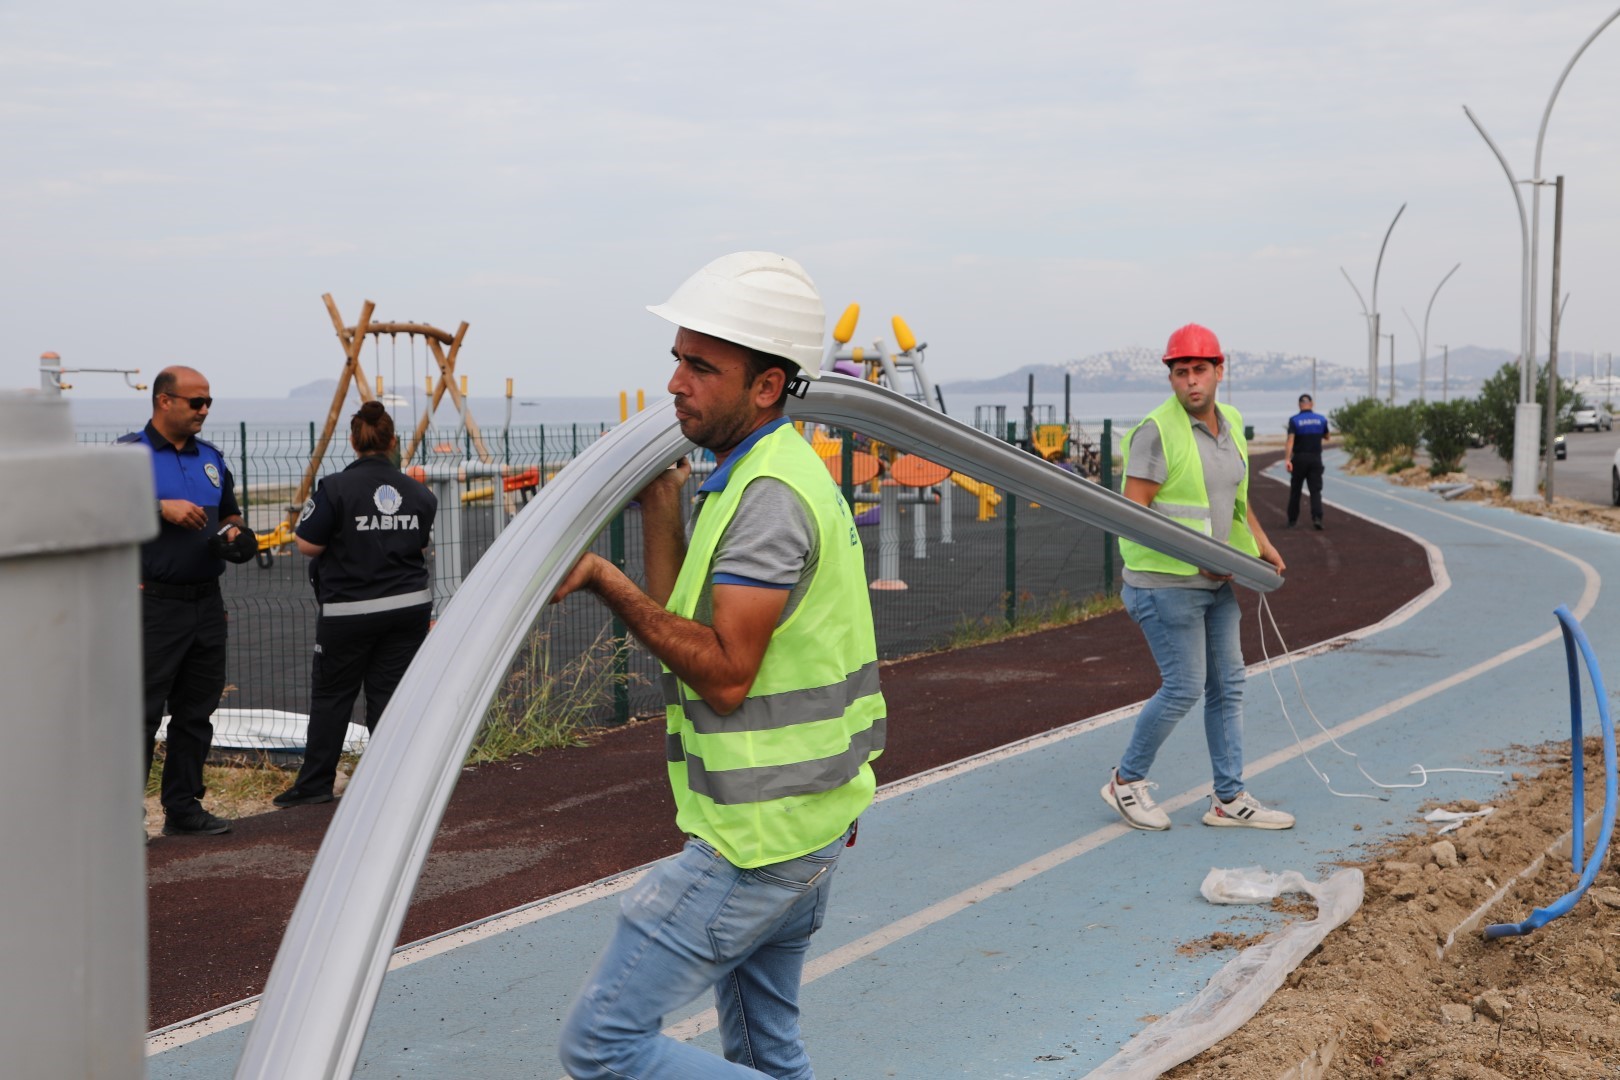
[(693, 651), (663, 543)]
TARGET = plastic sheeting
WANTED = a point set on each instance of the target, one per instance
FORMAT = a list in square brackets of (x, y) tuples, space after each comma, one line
[(1240, 988)]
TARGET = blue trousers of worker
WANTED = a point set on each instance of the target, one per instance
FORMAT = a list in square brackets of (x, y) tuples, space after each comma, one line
[(696, 922), (1193, 634)]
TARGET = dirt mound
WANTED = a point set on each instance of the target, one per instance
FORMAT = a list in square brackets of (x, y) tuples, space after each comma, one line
[(1393, 993)]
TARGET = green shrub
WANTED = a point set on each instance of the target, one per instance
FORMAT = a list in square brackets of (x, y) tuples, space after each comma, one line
[(1390, 432), (1447, 427), (1348, 420), (1499, 400)]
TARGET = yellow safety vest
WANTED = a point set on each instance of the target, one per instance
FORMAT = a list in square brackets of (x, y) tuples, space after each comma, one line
[(789, 770), (1183, 497)]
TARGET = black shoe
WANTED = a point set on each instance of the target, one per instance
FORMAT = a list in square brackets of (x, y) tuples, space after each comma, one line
[(294, 797), (1317, 524), (197, 823), (1290, 525)]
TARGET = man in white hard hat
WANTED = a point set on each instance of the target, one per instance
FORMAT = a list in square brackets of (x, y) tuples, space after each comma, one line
[(758, 611)]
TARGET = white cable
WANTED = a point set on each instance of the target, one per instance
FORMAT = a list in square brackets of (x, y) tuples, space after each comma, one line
[(1264, 613)]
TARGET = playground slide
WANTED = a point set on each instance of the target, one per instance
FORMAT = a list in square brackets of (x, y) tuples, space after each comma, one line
[(976, 488), (319, 998)]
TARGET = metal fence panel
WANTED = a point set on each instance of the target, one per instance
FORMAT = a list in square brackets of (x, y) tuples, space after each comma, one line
[(952, 576)]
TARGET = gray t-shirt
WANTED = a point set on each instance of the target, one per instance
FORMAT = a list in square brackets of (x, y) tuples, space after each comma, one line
[(1224, 469), (770, 541)]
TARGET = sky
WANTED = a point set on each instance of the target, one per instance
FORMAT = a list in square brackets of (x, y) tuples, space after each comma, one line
[(1023, 182)]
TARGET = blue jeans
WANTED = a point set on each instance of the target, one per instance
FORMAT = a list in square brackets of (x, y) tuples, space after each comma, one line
[(695, 922), (1193, 634)]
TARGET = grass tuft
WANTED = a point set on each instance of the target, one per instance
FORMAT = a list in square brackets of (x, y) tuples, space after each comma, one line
[(1060, 610), (544, 706)]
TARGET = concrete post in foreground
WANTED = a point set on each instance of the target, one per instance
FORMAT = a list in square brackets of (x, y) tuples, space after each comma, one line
[(73, 940)]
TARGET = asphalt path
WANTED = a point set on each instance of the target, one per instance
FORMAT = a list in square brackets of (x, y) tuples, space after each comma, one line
[(1586, 474)]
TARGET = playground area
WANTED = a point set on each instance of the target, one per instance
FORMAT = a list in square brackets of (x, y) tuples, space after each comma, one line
[(943, 549)]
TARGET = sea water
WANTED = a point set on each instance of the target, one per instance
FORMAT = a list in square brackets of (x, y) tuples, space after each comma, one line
[(130, 412), (1267, 411)]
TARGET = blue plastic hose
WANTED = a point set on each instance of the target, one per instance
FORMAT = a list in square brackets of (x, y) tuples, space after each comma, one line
[(1575, 637)]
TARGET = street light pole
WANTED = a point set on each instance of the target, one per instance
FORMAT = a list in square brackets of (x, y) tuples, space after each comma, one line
[(1423, 338), (1445, 372), (1373, 325), (1527, 414), (1552, 334), (1535, 201), (1391, 367)]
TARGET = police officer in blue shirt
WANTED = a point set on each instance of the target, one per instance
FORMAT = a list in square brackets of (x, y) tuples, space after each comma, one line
[(366, 531), (1302, 456), (182, 610)]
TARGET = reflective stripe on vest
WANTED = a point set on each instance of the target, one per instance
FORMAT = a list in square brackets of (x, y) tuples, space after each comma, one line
[(788, 770), (1184, 497), (730, 787), (771, 711)]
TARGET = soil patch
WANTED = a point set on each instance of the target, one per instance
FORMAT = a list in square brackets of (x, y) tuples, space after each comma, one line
[(1391, 997)]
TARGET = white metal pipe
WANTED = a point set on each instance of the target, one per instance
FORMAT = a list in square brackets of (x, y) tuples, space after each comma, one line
[(323, 986)]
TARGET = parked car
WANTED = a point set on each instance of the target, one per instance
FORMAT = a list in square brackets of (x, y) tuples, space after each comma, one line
[(1595, 417), (1614, 479)]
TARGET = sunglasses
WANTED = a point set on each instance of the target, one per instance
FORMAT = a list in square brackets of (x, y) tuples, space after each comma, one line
[(198, 404)]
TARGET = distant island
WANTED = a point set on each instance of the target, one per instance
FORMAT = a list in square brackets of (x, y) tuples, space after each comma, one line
[(320, 388), (1143, 369)]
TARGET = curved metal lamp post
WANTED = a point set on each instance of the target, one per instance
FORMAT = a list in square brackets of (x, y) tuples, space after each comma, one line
[(1423, 338), (1372, 314), (1527, 418)]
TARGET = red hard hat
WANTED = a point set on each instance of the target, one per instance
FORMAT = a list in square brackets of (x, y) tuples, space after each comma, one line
[(1193, 342)]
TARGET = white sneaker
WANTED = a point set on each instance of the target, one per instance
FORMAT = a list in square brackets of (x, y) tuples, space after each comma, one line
[(1246, 812), (1134, 803)]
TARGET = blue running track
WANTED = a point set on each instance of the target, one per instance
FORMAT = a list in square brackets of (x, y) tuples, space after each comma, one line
[(996, 919)]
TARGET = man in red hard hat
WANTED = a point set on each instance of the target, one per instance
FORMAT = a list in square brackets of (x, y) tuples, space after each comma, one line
[(1188, 460)]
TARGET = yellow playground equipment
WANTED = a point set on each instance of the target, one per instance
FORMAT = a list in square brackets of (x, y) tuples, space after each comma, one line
[(890, 369), (1051, 441)]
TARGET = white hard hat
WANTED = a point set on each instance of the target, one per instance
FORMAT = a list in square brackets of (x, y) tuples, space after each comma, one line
[(754, 298)]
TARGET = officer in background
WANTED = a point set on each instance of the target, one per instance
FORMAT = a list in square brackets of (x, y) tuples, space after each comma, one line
[(1307, 431), (182, 611), (366, 531)]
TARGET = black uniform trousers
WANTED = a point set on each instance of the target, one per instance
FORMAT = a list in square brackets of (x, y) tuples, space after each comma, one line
[(1307, 471), (351, 651), (183, 632)]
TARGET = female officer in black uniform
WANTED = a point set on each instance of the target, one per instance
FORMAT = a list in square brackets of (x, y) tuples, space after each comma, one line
[(366, 529)]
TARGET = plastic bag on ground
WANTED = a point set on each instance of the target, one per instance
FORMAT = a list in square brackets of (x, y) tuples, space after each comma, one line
[(1252, 885), (1240, 988)]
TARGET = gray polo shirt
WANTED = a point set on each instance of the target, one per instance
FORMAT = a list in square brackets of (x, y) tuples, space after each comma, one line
[(1224, 469), (770, 542)]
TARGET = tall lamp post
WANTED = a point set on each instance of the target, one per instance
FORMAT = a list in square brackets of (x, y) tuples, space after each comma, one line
[(1391, 366), (1423, 338), (1371, 314), (1527, 417)]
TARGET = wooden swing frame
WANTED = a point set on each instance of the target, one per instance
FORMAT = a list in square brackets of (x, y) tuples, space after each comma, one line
[(353, 340)]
